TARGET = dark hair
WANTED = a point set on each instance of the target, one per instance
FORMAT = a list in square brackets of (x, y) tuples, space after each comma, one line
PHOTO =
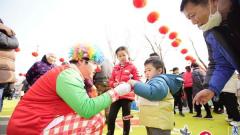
[(188, 68), (175, 68), (194, 65), (155, 61), (196, 2), (121, 48), (153, 54), (75, 61)]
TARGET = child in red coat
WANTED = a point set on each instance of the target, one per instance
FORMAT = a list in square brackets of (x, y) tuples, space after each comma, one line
[(122, 72)]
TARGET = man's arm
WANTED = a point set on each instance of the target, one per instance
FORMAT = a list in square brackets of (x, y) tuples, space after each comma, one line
[(8, 39), (71, 89), (220, 68)]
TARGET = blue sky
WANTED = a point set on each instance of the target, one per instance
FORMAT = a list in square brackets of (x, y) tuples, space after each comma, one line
[(56, 25)]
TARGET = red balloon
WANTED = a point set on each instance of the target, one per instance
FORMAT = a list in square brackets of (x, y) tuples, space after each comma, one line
[(139, 3), (184, 51), (35, 54), (153, 17), (61, 60), (17, 49), (173, 35), (188, 57), (163, 30)]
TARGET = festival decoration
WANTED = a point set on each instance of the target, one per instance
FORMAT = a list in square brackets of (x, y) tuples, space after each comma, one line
[(34, 54), (139, 3), (188, 57), (61, 60), (184, 51), (153, 17), (163, 30), (173, 35)]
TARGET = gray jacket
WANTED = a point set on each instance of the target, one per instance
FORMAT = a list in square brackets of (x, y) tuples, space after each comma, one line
[(198, 78)]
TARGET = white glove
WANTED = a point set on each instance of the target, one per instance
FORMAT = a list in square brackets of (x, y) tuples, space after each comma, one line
[(122, 89)]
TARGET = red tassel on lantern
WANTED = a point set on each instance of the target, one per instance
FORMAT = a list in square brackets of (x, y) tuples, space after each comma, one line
[(34, 54), (184, 51), (139, 3), (61, 60), (173, 35), (153, 17), (163, 30), (17, 49)]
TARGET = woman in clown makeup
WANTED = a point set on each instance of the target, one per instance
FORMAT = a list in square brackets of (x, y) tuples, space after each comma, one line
[(57, 103)]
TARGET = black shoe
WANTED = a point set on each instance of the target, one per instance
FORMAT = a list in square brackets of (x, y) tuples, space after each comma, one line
[(180, 113), (208, 117), (218, 111), (198, 116)]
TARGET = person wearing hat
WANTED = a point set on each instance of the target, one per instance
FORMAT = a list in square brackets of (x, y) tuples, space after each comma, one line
[(58, 103), (40, 67)]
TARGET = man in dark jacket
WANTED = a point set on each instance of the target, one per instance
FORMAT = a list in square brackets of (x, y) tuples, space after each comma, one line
[(7, 59), (178, 96), (222, 42), (198, 78)]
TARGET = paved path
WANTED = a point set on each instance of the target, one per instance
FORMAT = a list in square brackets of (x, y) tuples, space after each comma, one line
[(3, 125)]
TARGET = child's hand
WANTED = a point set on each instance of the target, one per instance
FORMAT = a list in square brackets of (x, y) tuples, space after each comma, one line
[(132, 82), (115, 84), (123, 88)]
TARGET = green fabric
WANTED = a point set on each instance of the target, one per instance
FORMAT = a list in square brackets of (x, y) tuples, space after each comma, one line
[(70, 87)]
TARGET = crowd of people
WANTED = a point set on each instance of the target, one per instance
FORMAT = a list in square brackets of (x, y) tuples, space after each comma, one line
[(69, 98)]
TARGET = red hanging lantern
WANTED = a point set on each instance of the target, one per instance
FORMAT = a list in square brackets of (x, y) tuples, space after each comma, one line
[(17, 49), (175, 43), (184, 51), (193, 60), (173, 35), (188, 57), (61, 60), (163, 30), (153, 17), (139, 3), (34, 54)]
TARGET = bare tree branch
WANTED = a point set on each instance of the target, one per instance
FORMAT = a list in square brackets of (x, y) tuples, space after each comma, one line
[(197, 54)]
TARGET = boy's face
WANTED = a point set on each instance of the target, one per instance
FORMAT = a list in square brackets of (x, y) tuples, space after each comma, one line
[(151, 71)]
